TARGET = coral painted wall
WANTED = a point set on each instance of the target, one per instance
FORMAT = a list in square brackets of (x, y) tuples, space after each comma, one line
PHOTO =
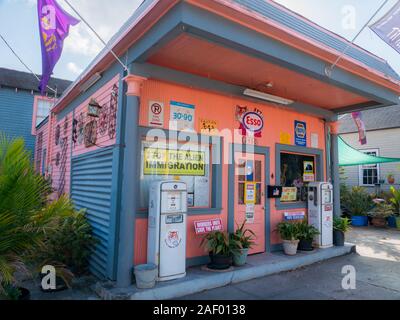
[(221, 108)]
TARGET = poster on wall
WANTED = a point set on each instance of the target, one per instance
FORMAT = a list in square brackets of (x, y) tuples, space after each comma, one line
[(250, 193), (289, 194), (251, 123), (314, 140), (208, 126), (308, 175), (206, 226), (181, 116), (250, 209), (284, 138), (156, 114), (167, 162), (300, 133)]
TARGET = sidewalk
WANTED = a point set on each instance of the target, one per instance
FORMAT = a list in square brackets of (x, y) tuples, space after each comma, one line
[(198, 280)]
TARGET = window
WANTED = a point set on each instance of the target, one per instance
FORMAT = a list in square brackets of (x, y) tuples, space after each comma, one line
[(249, 172), (296, 171), (190, 163), (369, 174), (43, 109)]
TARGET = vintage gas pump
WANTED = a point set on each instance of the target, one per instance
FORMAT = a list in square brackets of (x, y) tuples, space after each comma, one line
[(167, 229), (320, 212)]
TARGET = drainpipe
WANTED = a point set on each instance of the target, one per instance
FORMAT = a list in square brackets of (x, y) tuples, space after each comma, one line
[(129, 196), (334, 138)]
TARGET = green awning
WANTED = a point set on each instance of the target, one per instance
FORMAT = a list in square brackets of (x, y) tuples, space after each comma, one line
[(348, 156)]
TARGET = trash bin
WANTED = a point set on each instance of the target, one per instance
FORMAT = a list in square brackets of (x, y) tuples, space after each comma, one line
[(146, 275)]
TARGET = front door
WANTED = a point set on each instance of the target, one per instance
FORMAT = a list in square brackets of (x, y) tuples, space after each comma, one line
[(249, 196)]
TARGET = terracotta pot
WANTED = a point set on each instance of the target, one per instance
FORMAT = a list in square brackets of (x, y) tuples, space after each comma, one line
[(391, 179), (379, 222), (290, 247)]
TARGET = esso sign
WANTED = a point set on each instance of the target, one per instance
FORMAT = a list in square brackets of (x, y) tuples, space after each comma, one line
[(253, 121)]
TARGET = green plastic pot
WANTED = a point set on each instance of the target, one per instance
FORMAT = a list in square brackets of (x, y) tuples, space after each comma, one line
[(398, 223), (240, 258)]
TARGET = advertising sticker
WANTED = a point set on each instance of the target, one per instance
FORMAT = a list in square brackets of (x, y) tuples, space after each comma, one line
[(250, 193), (300, 132), (206, 226), (308, 175), (181, 116), (289, 194), (250, 209)]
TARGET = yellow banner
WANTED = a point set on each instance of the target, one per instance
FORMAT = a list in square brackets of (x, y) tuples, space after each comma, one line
[(165, 162)]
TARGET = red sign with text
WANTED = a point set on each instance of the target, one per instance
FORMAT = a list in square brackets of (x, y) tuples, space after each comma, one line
[(206, 226)]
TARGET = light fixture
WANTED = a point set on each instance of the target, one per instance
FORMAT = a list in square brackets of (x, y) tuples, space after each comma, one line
[(93, 109), (90, 82), (267, 97)]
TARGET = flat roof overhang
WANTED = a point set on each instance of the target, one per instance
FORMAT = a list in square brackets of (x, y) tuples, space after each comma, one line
[(192, 46)]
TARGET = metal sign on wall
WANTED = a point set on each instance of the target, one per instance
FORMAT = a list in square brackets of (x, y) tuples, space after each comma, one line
[(300, 133)]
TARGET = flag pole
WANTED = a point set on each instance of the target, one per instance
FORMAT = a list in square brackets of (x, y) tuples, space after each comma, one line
[(98, 36), (328, 70)]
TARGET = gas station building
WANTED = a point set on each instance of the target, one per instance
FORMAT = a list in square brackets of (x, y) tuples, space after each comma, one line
[(234, 98)]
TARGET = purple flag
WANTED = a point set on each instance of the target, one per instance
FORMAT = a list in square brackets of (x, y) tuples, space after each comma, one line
[(360, 126), (54, 25), (388, 28)]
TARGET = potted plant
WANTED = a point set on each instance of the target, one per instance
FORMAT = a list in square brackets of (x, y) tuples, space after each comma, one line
[(306, 234), (340, 227), (243, 241), (358, 203), (395, 201), (380, 213), (220, 248), (289, 234), (390, 178)]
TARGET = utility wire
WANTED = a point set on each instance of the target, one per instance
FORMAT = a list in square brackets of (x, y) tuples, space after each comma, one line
[(328, 70), (23, 63), (97, 35)]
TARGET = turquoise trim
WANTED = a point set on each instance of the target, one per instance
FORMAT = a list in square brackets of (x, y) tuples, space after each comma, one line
[(183, 105), (231, 189)]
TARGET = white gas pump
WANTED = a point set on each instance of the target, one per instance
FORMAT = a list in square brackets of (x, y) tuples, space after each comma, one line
[(167, 229), (320, 212)]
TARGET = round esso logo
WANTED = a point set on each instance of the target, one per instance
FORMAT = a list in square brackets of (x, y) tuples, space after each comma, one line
[(253, 121)]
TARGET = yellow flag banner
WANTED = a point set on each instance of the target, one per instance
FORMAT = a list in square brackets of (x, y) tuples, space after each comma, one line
[(174, 162)]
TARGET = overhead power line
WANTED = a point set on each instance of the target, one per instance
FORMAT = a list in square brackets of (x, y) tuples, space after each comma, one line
[(97, 35), (23, 63)]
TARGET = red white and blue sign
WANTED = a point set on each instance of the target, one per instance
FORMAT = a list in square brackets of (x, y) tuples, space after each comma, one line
[(300, 133)]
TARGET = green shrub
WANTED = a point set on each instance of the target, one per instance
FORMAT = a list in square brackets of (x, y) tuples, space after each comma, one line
[(382, 210), (341, 224), (288, 230), (70, 244), (395, 200), (306, 231), (358, 202)]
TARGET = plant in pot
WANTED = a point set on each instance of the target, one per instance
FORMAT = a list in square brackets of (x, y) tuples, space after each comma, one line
[(243, 241), (395, 201), (340, 227), (289, 234), (358, 203), (306, 234), (220, 248), (380, 213)]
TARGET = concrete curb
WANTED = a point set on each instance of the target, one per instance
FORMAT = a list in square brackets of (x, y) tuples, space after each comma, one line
[(198, 280)]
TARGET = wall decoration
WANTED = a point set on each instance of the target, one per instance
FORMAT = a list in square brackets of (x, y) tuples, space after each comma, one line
[(90, 134), (300, 132), (308, 175), (314, 140), (208, 126), (57, 135), (156, 114), (159, 161), (181, 116), (206, 226), (250, 210), (289, 194), (251, 121), (250, 193), (104, 123), (285, 138)]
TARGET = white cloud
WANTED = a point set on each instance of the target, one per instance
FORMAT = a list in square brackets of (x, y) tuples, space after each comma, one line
[(73, 67)]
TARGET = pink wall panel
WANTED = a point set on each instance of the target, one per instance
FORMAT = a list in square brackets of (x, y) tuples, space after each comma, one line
[(42, 132), (104, 138)]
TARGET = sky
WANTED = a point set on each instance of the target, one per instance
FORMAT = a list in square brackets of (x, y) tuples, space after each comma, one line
[(18, 24)]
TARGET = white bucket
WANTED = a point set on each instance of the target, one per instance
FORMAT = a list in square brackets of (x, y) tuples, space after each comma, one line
[(146, 275)]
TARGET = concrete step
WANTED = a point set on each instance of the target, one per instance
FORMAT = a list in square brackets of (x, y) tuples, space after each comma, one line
[(198, 279)]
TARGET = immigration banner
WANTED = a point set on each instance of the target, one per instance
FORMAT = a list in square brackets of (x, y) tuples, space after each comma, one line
[(174, 162)]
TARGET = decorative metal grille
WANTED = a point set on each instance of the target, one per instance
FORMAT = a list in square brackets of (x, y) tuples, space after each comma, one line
[(87, 130)]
